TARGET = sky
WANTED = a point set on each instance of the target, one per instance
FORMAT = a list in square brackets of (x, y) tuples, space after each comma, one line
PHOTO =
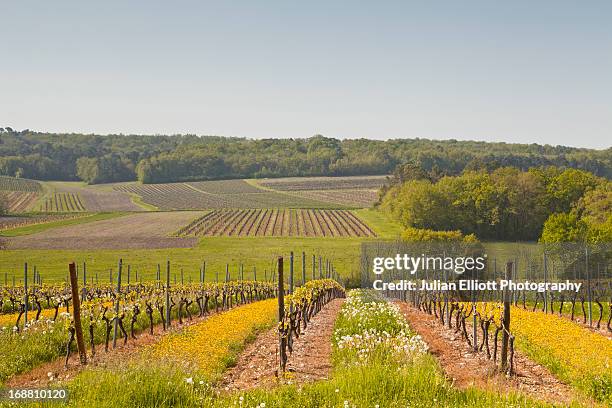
[(519, 71)]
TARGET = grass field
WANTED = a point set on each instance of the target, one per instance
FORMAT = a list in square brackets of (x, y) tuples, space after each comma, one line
[(258, 252), (216, 251)]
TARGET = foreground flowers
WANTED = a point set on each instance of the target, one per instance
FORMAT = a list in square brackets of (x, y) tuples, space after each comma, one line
[(205, 346), (574, 353), (372, 330)]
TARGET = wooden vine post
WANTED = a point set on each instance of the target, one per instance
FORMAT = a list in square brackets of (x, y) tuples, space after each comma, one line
[(25, 293), (314, 267), (76, 310), (303, 268), (291, 273), (506, 321), (474, 322), (116, 325), (281, 314), (588, 278), (84, 294), (320, 267), (168, 293)]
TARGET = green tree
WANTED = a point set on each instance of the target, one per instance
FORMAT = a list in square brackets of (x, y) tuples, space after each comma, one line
[(87, 169), (569, 186), (563, 227)]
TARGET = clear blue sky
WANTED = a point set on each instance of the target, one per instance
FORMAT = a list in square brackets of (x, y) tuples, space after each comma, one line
[(516, 71)]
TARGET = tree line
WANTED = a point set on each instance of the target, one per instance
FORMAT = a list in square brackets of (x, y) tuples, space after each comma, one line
[(546, 203), (155, 159)]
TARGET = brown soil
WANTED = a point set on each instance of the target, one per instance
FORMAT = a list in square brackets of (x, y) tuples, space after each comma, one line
[(257, 366), (39, 376), (465, 369), (133, 231), (97, 199)]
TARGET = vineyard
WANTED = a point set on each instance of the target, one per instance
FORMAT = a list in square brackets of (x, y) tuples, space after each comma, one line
[(501, 334), (96, 199), (20, 201), (19, 184), (277, 223), (125, 311), (349, 198), (214, 194), (114, 315), (225, 187), (154, 334), (19, 194), (324, 183), (62, 202), (183, 334)]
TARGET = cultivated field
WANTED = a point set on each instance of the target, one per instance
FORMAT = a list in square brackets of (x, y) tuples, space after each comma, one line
[(215, 194), (172, 196), (18, 184), (349, 198), (19, 201), (324, 183), (225, 187), (133, 231), (96, 199), (278, 223), (19, 194), (62, 202)]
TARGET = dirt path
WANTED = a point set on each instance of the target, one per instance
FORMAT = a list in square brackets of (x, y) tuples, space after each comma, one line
[(310, 360), (465, 369), (39, 376)]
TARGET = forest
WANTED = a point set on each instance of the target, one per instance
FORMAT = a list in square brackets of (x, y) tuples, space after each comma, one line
[(157, 158), (547, 203)]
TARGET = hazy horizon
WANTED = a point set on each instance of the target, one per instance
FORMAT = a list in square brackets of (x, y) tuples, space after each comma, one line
[(519, 72)]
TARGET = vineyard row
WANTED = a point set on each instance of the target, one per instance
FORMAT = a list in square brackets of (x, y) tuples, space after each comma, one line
[(20, 201), (278, 222), (62, 202)]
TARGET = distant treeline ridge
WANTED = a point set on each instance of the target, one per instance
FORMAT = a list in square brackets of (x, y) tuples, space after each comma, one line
[(157, 159)]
